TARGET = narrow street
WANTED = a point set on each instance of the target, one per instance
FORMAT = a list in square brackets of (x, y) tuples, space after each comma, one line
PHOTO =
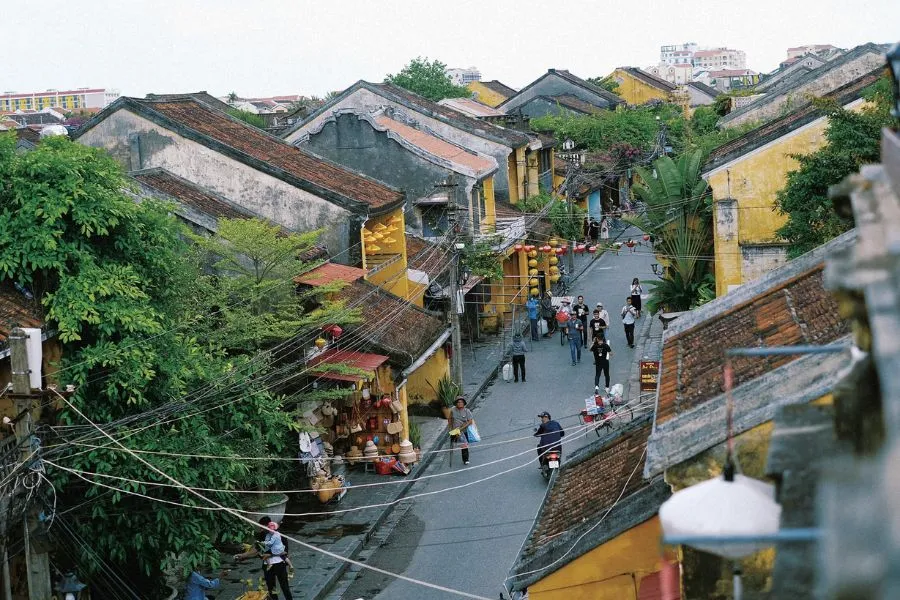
[(468, 538)]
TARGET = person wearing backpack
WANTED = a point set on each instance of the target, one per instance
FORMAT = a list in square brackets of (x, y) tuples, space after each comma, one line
[(629, 315), (602, 353)]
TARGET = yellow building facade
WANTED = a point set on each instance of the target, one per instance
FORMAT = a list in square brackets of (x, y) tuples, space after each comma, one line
[(612, 571), (486, 95), (745, 188), (640, 88), (384, 252)]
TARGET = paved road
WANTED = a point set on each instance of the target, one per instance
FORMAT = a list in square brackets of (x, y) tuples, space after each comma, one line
[(468, 538)]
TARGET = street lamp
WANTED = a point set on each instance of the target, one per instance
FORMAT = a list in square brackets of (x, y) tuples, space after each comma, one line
[(893, 59), (69, 587)]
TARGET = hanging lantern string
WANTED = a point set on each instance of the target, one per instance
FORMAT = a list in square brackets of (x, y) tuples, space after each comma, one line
[(728, 375)]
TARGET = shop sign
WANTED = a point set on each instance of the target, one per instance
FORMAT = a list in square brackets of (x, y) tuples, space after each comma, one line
[(649, 375)]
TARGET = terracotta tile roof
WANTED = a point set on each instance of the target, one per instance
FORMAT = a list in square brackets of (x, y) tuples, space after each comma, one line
[(17, 311), (435, 146), (390, 324), (216, 128), (473, 108), (650, 79), (356, 360), (781, 126), (576, 103), (190, 194), (422, 255), (584, 491), (474, 126), (201, 96), (329, 273), (796, 311), (500, 88)]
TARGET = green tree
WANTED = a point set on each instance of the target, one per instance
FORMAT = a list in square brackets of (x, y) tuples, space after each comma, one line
[(248, 117), (429, 79), (118, 285), (852, 140), (607, 83)]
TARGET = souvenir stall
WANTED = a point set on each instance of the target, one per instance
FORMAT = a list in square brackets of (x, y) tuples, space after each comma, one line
[(362, 429)]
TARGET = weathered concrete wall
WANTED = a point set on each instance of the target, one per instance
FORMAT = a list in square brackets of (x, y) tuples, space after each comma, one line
[(354, 143), (756, 261), (138, 143), (364, 99)]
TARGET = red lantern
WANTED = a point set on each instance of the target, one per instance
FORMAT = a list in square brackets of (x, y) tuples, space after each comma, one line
[(646, 237), (335, 331), (519, 247), (546, 249), (565, 249), (579, 249), (529, 248), (559, 251), (592, 249), (630, 244)]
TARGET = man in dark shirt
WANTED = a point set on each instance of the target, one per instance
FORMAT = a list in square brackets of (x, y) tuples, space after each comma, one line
[(581, 311), (597, 326), (602, 352), (551, 433)]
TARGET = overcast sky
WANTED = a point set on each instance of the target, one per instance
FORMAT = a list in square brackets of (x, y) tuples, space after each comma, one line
[(265, 47)]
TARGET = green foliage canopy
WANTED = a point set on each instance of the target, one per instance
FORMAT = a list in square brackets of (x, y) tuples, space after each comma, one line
[(852, 140), (248, 117), (427, 78)]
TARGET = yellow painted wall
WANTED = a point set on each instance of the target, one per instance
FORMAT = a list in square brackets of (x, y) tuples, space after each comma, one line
[(635, 91), (418, 389), (416, 292), (490, 207), (612, 571), (520, 165), (533, 178), (511, 176), (754, 180), (392, 277), (485, 95)]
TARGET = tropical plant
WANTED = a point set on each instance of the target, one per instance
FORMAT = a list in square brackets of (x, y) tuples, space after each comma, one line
[(428, 78), (481, 259), (415, 434), (678, 213), (607, 83), (534, 204), (447, 391), (566, 224)]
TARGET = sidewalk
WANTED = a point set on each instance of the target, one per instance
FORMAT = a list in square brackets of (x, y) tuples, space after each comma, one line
[(351, 533)]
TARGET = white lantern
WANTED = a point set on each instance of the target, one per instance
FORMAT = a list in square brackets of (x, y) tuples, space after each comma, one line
[(366, 394), (721, 508)]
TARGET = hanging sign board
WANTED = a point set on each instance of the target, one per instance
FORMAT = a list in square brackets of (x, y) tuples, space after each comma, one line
[(649, 375)]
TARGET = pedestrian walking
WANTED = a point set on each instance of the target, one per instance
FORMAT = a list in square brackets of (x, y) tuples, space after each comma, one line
[(602, 353), (581, 311), (629, 314), (597, 326), (604, 228), (460, 419), (573, 331), (548, 312), (604, 315), (586, 230), (533, 306), (636, 291), (594, 230), (518, 357)]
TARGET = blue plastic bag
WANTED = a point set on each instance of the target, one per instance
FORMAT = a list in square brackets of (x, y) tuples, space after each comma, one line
[(472, 434)]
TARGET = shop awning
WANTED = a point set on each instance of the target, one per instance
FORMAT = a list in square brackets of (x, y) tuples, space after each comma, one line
[(357, 360)]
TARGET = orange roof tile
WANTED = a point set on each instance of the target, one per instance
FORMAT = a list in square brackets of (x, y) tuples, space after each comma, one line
[(438, 147), (356, 360), (329, 273)]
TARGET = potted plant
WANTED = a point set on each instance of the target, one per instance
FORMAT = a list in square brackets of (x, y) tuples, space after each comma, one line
[(415, 438), (447, 390)]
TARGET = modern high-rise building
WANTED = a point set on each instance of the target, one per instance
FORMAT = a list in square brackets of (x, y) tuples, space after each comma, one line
[(66, 100), (464, 76)]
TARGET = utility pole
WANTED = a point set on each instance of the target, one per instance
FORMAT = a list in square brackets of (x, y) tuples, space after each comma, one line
[(457, 298), (37, 564), (570, 178)]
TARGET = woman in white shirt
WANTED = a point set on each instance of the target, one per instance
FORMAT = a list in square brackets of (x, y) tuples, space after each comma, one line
[(636, 291)]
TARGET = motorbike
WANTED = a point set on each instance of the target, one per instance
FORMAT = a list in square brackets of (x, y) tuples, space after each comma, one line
[(550, 462)]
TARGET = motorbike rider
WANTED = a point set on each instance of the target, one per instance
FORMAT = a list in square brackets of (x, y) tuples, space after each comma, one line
[(551, 433)]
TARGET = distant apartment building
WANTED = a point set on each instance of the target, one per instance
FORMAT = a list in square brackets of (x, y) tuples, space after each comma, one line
[(719, 59), (675, 54), (679, 74), (67, 100), (825, 51), (464, 76)]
